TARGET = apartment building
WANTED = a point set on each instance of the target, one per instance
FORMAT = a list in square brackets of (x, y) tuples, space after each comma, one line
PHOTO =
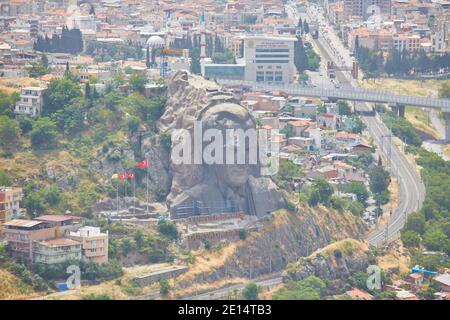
[(64, 224), (56, 250), (366, 8), (410, 43), (10, 199), (31, 101), (336, 13), (94, 243), (20, 235)]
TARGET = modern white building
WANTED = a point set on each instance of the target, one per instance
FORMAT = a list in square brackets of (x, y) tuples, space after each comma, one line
[(31, 101), (266, 59), (269, 59)]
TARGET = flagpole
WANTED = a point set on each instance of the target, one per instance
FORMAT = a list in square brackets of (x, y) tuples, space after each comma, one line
[(146, 205), (134, 195)]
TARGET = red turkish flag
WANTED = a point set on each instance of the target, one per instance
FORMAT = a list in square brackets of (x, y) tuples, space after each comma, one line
[(143, 164), (131, 176), (122, 176)]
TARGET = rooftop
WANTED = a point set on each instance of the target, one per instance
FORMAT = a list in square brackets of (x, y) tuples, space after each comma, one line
[(22, 223), (56, 218), (59, 242), (443, 278)]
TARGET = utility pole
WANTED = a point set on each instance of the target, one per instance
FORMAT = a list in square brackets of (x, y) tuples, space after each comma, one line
[(386, 234)]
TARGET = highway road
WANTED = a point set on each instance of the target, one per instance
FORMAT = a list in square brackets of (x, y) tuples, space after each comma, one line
[(412, 190)]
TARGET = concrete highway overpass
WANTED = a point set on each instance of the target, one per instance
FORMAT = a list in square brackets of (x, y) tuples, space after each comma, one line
[(396, 101)]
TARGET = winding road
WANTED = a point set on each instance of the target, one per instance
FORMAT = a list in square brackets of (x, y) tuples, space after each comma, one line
[(412, 190)]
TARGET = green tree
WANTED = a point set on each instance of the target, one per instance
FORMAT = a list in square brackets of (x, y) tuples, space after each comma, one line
[(36, 70), (344, 108), (434, 239), (168, 228), (410, 238), (356, 208), (44, 133), (416, 223), (70, 119), (34, 203), (164, 287), (250, 291), (52, 195), (7, 101), (25, 123), (4, 179), (9, 132), (378, 179), (194, 55), (133, 124), (60, 93), (305, 27), (289, 170), (310, 288), (165, 139), (324, 189), (314, 197), (138, 82), (359, 189)]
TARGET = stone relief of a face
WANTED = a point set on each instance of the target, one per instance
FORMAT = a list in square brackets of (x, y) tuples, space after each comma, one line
[(231, 116)]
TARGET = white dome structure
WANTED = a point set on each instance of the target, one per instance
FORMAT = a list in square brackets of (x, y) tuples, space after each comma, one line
[(155, 42)]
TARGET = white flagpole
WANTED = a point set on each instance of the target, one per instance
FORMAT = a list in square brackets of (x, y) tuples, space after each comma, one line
[(147, 188)]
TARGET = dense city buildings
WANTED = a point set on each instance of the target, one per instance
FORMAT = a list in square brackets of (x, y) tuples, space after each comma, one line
[(338, 111)]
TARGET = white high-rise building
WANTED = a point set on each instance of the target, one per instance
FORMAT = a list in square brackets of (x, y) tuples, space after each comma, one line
[(269, 59)]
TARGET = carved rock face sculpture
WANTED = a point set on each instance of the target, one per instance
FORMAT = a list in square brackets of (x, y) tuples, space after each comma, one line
[(217, 188)]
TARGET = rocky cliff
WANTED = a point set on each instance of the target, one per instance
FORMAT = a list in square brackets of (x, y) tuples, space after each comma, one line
[(285, 238), (337, 261)]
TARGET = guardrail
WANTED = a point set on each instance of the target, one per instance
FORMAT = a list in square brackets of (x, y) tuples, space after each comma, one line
[(345, 94)]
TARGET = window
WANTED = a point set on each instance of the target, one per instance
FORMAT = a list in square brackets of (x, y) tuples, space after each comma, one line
[(272, 61), (272, 50), (259, 76), (278, 76), (269, 76), (272, 56)]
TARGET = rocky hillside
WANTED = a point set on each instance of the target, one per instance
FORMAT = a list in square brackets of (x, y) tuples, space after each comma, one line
[(338, 260), (284, 238), (12, 288)]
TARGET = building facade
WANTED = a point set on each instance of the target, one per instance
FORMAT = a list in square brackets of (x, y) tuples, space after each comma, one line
[(94, 243), (31, 101), (10, 199), (20, 235), (56, 251), (366, 8), (269, 59)]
